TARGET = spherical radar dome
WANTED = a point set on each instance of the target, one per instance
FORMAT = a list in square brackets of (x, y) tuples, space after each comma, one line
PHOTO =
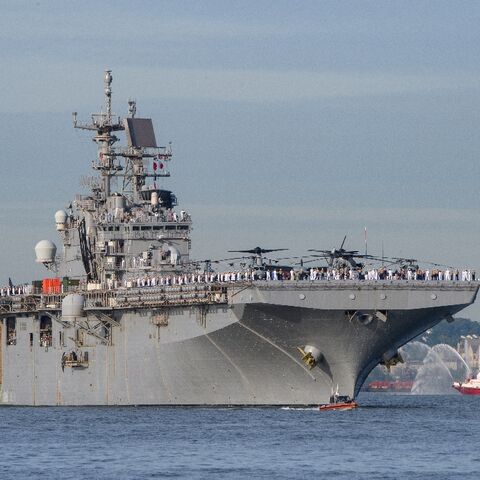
[(72, 306), (60, 219), (45, 251), (61, 216)]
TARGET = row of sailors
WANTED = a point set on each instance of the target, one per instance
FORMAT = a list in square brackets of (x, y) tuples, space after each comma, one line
[(314, 274), (24, 289), (275, 275), (389, 274), (139, 216), (185, 279)]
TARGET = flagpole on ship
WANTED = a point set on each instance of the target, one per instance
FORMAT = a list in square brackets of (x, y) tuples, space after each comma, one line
[(366, 250)]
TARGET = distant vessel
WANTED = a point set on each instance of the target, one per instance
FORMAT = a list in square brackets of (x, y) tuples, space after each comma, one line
[(471, 386), (402, 386), (129, 318)]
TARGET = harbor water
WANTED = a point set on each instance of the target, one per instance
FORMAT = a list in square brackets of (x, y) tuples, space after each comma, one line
[(388, 437)]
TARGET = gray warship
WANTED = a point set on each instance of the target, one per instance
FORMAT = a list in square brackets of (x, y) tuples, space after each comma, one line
[(126, 317)]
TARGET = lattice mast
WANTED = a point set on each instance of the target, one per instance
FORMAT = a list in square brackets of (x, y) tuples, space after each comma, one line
[(141, 148)]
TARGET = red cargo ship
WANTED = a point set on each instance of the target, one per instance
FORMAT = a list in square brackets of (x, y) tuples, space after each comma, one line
[(404, 386)]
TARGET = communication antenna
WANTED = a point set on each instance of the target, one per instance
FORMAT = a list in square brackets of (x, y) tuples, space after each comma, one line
[(132, 108), (108, 94)]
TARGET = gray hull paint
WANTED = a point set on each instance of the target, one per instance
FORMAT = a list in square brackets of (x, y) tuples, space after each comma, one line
[(241, 353)]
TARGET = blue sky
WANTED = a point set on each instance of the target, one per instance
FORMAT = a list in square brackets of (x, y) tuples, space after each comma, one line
[(293, 123)]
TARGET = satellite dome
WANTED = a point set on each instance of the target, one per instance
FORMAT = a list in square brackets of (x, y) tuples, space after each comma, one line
[(61, 216), (45, 251), (60, 219), (72, 306)]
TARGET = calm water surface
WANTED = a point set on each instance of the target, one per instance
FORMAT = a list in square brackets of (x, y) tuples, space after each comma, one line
[(390, 436)]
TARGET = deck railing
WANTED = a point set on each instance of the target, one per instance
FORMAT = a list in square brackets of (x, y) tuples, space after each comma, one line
[(180, 295)]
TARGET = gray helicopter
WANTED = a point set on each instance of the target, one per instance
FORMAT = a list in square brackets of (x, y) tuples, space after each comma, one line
[(256, 260), (341, 258)]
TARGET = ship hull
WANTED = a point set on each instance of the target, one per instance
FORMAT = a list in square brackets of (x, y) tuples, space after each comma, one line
[(243, 352)]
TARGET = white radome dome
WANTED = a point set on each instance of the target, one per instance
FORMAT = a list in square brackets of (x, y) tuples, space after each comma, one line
[(72, 306), (60, 219), (45, 251), (61, 216)]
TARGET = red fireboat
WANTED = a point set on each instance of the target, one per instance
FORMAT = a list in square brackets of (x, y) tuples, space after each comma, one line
[(471, 386)]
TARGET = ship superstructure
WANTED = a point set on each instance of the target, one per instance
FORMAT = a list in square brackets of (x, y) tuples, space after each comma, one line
[(126, 225), (130, 318)]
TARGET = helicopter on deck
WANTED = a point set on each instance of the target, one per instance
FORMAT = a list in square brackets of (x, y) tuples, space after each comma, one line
[(341, 258), (413, 264), (405, 263), (258, 262)]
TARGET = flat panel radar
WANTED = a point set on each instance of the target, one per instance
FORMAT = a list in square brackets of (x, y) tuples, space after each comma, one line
[(140, 133)]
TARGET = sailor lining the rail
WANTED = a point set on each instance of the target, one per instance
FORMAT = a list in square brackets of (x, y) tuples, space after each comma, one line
[(314, 274)]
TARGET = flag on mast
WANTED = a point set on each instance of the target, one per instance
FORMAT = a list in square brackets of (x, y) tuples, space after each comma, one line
[(366, 242)]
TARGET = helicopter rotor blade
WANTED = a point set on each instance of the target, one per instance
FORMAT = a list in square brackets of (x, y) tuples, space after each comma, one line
[(311, 261), (294, 258), (258, 250)]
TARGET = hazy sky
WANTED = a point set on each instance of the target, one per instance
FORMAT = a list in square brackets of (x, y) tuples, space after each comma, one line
[(293, 123)]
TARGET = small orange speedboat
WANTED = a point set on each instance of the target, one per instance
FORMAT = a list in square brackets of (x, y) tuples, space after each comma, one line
[(339, 402), (347, 405)]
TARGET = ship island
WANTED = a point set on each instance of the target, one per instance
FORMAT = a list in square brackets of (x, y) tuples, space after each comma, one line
[(125, 315)]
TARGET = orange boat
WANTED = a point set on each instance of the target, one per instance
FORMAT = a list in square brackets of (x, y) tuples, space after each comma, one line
[(339, 402), (347, 405)]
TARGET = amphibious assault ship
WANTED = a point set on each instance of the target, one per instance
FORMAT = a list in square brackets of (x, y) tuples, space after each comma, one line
[(127, 317)]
